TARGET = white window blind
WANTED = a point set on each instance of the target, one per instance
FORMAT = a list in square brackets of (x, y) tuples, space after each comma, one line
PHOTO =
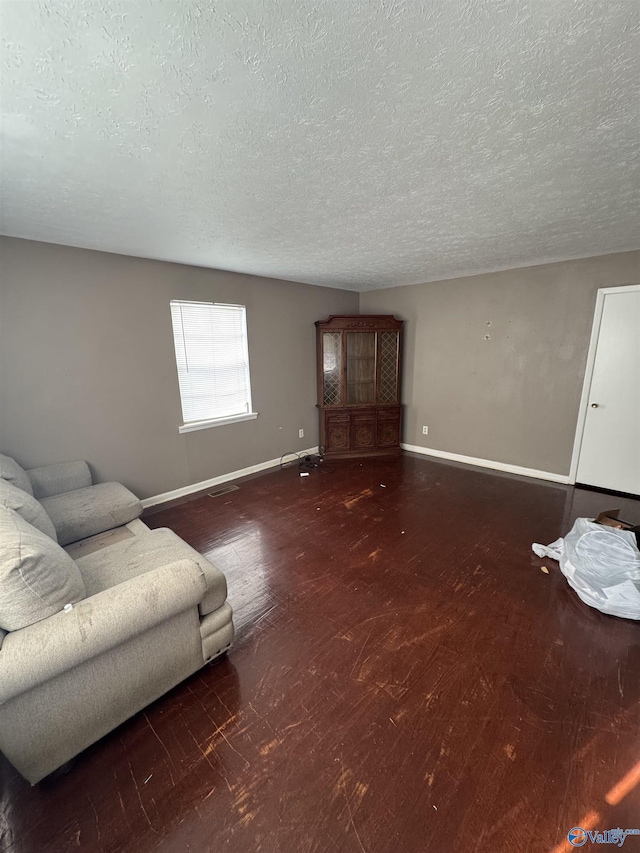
[(213, 360)]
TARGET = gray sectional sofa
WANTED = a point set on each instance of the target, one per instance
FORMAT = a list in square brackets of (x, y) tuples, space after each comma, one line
[(92, 632)]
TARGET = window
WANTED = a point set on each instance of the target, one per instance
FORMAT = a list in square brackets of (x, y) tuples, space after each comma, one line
[(213, 363)]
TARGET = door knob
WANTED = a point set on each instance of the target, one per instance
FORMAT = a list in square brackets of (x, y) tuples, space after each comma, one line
[(594, 405)]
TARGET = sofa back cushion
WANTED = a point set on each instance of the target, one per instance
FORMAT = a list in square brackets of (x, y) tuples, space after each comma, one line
[(13, 473), (27, 506), (37, 577)]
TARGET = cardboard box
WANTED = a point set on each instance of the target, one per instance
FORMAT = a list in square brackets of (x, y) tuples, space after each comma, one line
[(609, 518)]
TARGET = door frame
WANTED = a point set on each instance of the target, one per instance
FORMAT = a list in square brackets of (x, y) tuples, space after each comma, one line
[(588, 371)]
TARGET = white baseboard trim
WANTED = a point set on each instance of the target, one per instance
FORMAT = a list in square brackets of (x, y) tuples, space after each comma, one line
[(488, 463), (215, 481)]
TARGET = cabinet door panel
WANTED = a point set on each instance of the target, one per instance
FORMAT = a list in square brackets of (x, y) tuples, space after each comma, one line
[(363, 435), (337, 437), (388, 434)]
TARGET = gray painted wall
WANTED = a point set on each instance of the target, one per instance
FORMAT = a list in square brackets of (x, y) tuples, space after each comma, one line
[(494, 363), (87, 366)]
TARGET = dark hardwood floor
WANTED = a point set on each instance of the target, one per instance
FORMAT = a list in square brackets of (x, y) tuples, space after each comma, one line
[(405, 679)]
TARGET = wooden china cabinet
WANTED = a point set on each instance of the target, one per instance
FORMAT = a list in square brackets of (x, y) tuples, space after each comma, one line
[(359, 385)]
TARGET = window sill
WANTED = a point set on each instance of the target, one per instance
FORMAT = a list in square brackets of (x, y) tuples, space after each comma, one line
[(214, 422)]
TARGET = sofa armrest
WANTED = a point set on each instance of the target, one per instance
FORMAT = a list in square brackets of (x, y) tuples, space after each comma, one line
[(44, 650), (57, 479)]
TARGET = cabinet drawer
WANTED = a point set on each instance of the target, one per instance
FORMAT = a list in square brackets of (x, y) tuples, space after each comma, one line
[(336, 417), (363, 415), (389, 414)]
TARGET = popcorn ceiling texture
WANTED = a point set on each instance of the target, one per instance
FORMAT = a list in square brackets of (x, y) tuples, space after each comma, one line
[(346, 143)]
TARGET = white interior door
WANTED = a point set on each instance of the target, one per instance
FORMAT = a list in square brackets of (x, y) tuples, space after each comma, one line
[(609, 454)]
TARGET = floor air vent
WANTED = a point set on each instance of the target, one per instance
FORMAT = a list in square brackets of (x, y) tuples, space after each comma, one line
[(223, 490)]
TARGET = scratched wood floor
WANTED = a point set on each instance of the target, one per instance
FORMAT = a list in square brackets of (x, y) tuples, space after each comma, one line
[(405, 678)]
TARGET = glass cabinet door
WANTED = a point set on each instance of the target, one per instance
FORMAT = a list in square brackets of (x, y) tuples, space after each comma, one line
[(331, 368), (361, 368), (388, 355)]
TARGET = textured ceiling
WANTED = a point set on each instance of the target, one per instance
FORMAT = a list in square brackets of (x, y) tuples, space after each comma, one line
[(346, 143)]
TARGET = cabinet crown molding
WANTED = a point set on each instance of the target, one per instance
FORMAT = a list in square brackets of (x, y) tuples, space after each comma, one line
[(363, 321)]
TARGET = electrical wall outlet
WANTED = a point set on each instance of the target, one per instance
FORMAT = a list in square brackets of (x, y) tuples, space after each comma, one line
[(300, 433), (425, 430)]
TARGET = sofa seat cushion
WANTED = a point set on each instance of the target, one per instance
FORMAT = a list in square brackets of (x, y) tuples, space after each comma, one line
[(28, 507), (123, 560), (13, 473), (85, 512), (37, 577)]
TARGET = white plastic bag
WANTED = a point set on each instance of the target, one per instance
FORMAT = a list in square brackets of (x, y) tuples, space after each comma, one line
[(602, 564), (554, 550)]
